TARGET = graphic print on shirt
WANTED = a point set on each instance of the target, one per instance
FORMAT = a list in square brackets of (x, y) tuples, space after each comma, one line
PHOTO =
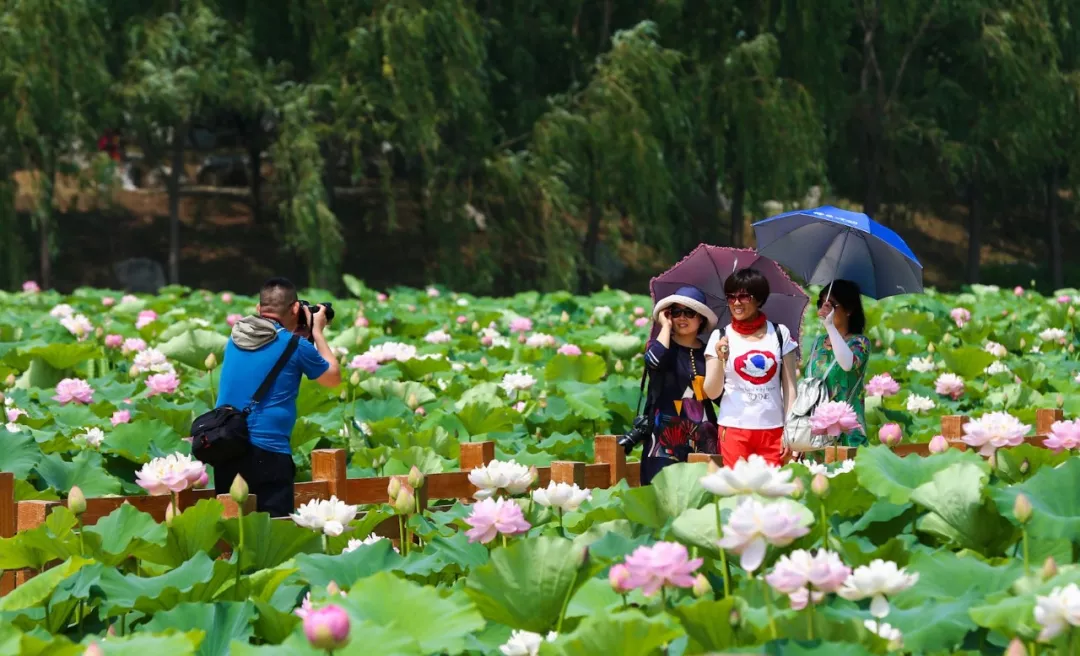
[(756, 367)]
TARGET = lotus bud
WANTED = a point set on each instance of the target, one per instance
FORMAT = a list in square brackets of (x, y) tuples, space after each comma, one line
[(800, 489), (618, 577), (405, 503), (702, 586), (930, 348), (877, 343), (416, 478), (534, 474), (112, 631), (344, 396), (327, 628), (890, 353), (239, 490), (1071, 311), (354, 379), (1060, 400), (619, 367), (204, 478), (333, 588), (412, 402), (1072, 348), (475, 326), (1049, 568), (1022, 509), (1025, 466), (1016, 648), (170, 512), (210, 362), (484, 361), (939, 444), (820, 485), (76, 501), (10, 380), (1023, 343), (93, 649), (733, 618), (99, 332), (890, 435), (393, 489)]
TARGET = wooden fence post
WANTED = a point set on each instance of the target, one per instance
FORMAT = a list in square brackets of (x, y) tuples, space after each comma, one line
[(1045, 418), (476, 454), (571, 473), (607, 451), (232, 509), (7, 524), (330, 465), (952, 426), (714, 458), (30, 514)]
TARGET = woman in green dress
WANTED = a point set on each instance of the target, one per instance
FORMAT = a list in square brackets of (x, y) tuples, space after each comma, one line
[(843, 352)]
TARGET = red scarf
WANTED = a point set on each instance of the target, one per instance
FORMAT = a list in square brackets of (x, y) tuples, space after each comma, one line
[(749, 327)]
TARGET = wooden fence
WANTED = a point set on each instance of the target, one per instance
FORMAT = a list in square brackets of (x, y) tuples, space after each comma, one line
[(328, 468)]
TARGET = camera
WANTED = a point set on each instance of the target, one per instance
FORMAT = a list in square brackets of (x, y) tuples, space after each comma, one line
[(635, 435), (301, 320)]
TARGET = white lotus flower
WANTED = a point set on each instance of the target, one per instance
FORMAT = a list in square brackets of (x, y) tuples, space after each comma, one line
[(92, 437), (438, 337), (752, 476), (917, 404), (12, 427), (61, 311), (512, 383), (1058, 611), (525, 643), (355, 543), (921, 365), (888, 632), (877, 581), (997, 367), (564, 496), (331, 517), (753, 526), (1053, 335), (601, 311), (540, 340), (152, 360), (996, 350), (821, 468), (498, 475), (78, 325)]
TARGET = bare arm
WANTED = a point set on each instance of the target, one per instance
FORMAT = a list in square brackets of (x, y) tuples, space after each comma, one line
[(787, 381), (715, 364), (332, 376)]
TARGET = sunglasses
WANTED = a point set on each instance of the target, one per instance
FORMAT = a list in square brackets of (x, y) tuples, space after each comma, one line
[(741, 297), (675, 313), (821, 302)]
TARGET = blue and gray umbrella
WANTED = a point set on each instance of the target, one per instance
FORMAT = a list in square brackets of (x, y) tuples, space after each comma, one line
[(828, 243)]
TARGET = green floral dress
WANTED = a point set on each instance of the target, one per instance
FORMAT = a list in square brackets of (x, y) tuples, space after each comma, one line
[(844, 385)]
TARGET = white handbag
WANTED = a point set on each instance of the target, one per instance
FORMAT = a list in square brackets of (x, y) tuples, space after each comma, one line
[(811, 392)]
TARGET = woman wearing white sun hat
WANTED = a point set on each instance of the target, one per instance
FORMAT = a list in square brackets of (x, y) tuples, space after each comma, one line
[(682, 418)]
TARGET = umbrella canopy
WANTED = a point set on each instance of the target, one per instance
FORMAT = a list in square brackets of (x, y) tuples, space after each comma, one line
[(707, 267), (828, 243)]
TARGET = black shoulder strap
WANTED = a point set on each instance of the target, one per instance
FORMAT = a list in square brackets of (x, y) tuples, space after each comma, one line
[(290, 348), (780, 353)]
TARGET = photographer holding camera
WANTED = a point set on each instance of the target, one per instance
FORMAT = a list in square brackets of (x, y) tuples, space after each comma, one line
[(267, 353)]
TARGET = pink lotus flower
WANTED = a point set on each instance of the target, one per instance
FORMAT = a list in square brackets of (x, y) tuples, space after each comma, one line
[(114, 341), (1018, 290), (175, 472), (120, 417), (882, 385), (619, 578), (571, 350), (641, 322), (753, 526), (420, 412), (133, 345), (108, 301), (381, 297), (890, 435), (960, 316), (78, 325), (800, 599), (949, 385), (638, 311), (1063, 435), (146, 317), (74, 390), (822, 572), (233, 318), (491, 517), (462, 319), (993, 431), (165, 383), (519, 406), (361, 321), (432, 292), (1064, 299), (128, 298), (14, 413), (664, 563), (327, 627), (368, 363), (521, 325), (939, 444), (31, 287), (226, 297), (833, 418)]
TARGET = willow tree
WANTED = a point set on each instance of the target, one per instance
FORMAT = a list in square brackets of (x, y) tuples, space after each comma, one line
[(182, 63), (52, 68), (609, 144)]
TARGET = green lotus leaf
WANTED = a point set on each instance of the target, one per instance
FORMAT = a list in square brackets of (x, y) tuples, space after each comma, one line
[(586, 401), (222, 622), (195, 530), (442, 554), (1054, 501), (192, 347), (705, 622), (197, 580), (959, 514), (272, 625), (269, 543), (674, 490), (888, 476), (123, 531), (34, 548), (20, 454), (39, 589), (627, 634), (488, 394), (86, 470), (346, 569), (583, 368), (457, 616), (141, 644), (623, 346), (139, 440), (480, 419), (525, 585)]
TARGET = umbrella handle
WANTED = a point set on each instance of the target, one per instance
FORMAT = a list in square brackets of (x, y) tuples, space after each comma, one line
[(839, 261)]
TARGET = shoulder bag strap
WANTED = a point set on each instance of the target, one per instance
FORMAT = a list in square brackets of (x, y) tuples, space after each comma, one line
[(641, 389), (290, 348)]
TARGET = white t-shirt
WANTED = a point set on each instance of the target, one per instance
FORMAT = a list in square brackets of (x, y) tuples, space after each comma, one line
[(752, 389)]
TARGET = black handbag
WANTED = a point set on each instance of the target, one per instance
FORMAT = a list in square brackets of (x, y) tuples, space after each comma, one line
[(222, 434)]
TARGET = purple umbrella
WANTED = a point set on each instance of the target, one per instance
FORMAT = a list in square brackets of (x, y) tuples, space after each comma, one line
[(707, 267)]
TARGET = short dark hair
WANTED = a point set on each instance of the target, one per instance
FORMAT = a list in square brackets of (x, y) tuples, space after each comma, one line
[(847, 295), (750, 281), (277, 295)]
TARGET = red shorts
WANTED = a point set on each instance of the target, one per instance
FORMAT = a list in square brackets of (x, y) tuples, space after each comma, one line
[(738, 443)]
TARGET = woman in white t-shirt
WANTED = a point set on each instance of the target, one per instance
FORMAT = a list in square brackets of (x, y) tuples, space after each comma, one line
[(752, 362)]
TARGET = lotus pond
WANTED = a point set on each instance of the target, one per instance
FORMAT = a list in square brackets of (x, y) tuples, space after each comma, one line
[(951, 553)]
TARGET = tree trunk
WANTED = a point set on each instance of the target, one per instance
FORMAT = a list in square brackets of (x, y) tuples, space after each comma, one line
[(974, 232), (738, 200), (177, 166), (255, 162), (48, 181), (1057, 270)]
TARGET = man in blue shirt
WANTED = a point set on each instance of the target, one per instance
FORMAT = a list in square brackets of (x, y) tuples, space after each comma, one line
[(256, 344)]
